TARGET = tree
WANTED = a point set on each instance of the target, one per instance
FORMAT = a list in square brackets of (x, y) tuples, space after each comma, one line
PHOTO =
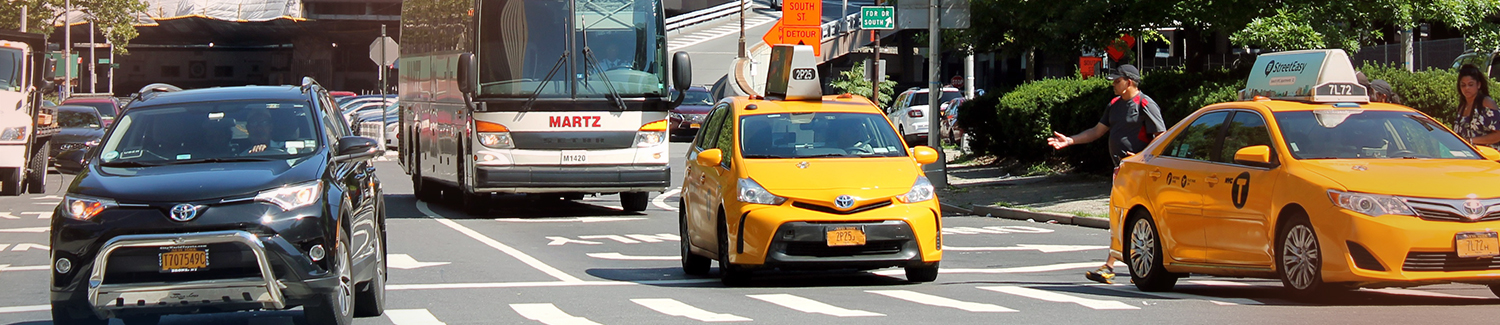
[(116, 18), (1352, 24), (855, 82)]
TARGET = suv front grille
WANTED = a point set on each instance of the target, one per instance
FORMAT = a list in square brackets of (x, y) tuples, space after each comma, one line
[(1447, 261)]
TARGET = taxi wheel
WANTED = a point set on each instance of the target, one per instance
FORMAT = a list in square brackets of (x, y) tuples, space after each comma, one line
[(1301, 259), (923, 273), (1143, 254), (730, 274), (691, 264)]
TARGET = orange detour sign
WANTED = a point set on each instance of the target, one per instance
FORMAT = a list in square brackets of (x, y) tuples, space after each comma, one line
[(801, 24)]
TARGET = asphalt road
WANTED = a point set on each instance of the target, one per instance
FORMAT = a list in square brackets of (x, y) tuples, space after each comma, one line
[(586, 262)]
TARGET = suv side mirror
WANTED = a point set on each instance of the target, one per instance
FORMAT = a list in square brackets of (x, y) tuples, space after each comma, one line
[(1258, 156), (354, 148), (467, 83)]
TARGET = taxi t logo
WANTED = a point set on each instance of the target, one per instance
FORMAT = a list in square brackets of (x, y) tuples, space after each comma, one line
[(1240, 190)]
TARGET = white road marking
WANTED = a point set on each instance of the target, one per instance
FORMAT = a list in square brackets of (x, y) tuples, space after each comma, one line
[(3, 247), (6, 215), (549, 314), (1058, 297), (812, 306), (679, 309), (8, 268), (1178, 295), (998, 230), (749, 24), (494, 285), (412, 317), (1019, 269), (32, 229), (618, 256), (519, 255), (22, 247), (406, 262), (932, 300), (579, 219), (40, 215), (44, 197), (657, 238), (661, 200), (1410, 292), (617, 238), (1218, 283), (22, 309), (559, 241), (46, 203), (1027, 247)]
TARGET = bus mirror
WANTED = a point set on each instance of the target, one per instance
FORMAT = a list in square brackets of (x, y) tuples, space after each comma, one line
[(466, 72), (682, 71)]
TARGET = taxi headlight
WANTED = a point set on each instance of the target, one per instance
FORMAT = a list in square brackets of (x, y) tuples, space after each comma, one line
[(496, 140), (292, 196), (752, 192), (921, 191), (1373, 205), (83, 207)]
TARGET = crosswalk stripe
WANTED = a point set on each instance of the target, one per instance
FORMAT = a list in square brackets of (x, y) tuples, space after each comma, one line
[(412, 317), (549, 314), (812, 306), (1184, 296), (1410, 292), (1058, 297), (932, 300), (679, 309), (1221, 283)]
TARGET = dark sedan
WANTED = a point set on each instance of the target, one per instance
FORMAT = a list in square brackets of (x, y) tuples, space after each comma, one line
[(82, 126), (686, 118), (221, 200)]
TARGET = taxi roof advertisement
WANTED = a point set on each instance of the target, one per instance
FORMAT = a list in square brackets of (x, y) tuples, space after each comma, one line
[(1310, 75)]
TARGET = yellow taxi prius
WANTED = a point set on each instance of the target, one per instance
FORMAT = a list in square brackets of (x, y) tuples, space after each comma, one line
[(1307, 181), (798, 180)]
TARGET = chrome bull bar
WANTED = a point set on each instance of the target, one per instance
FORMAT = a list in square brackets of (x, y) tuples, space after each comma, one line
[(107, 298)]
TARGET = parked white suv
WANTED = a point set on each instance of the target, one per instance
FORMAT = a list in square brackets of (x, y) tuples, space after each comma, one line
[(909, 113)]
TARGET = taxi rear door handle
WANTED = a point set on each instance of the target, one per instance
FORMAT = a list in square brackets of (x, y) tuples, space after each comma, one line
[(1156, 173), (1211, 180)]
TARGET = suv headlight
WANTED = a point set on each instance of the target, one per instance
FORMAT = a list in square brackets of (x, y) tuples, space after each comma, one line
[(922, 190), (1370, 204), (751, 192), (15, 133), (83, 207), (292, 196)]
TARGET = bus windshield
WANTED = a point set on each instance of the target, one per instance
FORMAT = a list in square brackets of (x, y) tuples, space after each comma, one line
[(571, 49)]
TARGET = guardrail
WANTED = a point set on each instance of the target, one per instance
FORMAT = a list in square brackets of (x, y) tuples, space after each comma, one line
[(834, 29), (373, 130), (711, 13)]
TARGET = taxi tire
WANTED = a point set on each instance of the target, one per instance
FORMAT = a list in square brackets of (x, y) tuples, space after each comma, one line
[(327, 309), (692, 264), (635, 201), (731, 275), (923, 273), (1151, 276), (1302, 233)]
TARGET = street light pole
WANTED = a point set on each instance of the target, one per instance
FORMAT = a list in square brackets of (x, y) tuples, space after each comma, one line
[(67, 51), (937, 174), (742, 29)]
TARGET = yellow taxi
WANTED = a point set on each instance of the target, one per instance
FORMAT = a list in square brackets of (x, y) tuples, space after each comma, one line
[(1310, 183), (798, 180)]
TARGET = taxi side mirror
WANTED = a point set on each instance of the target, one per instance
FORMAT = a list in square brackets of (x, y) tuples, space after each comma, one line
[(1488, 153), (1259, 156), (710, 157), (925, 155)]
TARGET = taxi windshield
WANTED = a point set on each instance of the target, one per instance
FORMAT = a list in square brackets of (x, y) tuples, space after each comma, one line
[(1364, 134), (815, 135), (210, 132)]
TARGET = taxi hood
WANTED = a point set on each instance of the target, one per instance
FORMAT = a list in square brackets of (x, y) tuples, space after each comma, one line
[(826, 178), (1433, 178)]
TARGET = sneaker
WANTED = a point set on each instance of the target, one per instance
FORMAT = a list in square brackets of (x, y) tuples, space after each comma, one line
[(1102, 275)]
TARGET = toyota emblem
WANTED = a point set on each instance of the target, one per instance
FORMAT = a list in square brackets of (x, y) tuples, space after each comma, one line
[(1474, 208), (184, 212), (843, 202)]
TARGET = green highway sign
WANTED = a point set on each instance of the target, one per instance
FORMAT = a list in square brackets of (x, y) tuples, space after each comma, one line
[(877, 17)]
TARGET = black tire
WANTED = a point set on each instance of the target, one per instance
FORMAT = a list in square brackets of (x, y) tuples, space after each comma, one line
[(731, 275), (635, 201), (337, 307), (923, 273), (692, 264), (573, 196), (36, 176), (1146, 269), (370, 300), (423, 190), (1300, 257), (141, 320), (1495, 289), (474, 204), (65, 313), (10, 182)]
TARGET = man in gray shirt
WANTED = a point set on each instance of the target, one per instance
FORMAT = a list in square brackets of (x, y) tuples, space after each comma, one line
[(1130, 123)]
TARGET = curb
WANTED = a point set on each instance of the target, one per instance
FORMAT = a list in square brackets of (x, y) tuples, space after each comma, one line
[(955, 208), (1040, 216)]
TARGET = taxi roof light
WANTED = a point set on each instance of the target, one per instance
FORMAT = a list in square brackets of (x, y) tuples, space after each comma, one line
[(1318, 76), (793, 74)]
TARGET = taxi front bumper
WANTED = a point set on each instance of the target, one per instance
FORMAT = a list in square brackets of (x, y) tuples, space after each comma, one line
[(1398, 250), (794, 236)]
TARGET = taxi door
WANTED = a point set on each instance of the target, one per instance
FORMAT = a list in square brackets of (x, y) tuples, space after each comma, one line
[(701, 193), (1176, 183), (1238, 201)]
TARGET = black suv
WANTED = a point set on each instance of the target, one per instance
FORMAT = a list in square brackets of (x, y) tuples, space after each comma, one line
[(218, 200)]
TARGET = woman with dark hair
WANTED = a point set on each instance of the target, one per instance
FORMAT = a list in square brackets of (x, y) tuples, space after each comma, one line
[(1478, 118)]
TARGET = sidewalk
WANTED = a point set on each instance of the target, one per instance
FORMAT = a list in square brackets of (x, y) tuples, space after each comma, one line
[(985, 190)]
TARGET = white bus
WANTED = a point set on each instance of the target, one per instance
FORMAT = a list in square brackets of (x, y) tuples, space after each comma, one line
[(557, 97)]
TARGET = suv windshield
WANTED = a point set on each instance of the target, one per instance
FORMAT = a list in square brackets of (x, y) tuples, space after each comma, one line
[(213, 131), (77, 119), (10, 69), (698, 97), (1360, 134), (106, 109), (810, 135)]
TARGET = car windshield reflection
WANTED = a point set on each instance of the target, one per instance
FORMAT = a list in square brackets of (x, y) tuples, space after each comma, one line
[(818, 135), (211, 132)]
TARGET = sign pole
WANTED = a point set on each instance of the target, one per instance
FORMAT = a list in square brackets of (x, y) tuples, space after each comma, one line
[(937, 174), (382, 88)]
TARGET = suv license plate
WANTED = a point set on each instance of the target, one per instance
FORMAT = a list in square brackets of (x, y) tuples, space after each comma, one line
[(1477, 244), (846, 236), (183, 259)]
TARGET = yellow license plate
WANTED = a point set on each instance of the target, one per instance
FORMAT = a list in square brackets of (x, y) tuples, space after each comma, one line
[(695, 125), (184, 259), (846, 236), (1477, 244)]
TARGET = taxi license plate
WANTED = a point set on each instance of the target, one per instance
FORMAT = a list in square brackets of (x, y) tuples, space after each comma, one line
[(695, 125), (846, 236), (183, 259), (1477, 244)]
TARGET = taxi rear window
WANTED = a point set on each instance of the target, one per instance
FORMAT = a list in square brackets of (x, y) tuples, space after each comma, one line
[(1364, 134)]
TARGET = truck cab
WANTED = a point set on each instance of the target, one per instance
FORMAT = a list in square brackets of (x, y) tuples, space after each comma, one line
[(25, 124)]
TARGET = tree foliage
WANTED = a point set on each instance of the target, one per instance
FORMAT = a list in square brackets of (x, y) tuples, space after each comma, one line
[(855, 82), (1352, 24), (115, 17)]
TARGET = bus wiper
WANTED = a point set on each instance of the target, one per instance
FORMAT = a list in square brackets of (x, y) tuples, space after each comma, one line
[(589, 60), (538, 92)]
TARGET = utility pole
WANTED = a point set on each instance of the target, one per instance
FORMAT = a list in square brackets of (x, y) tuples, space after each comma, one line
[(742, 30), (382, 89), (937, 173), (67, 56), (93, 59), (874, 68)]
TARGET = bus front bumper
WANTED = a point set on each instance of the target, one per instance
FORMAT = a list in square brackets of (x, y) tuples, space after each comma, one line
[(585, 178)]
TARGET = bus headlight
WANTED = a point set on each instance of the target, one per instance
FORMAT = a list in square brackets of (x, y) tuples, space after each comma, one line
[(496, 140), (645, 139)]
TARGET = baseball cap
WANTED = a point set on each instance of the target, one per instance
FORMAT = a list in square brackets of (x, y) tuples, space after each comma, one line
[(1127, 71)]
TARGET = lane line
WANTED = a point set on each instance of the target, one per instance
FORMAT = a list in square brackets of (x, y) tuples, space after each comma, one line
[(494, 285), (8, 268), (31, 230), (549, 314), (932, 300), (623, 257), (1019, 269), (812, 306), (1178, 295), (1410, 292), (1219, 283), (661, 200), (1058, 297), (679, 309), (519, 255), (23, 309), (412, 317)]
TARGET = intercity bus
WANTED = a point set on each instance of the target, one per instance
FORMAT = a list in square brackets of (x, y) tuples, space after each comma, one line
[(554, 97)]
